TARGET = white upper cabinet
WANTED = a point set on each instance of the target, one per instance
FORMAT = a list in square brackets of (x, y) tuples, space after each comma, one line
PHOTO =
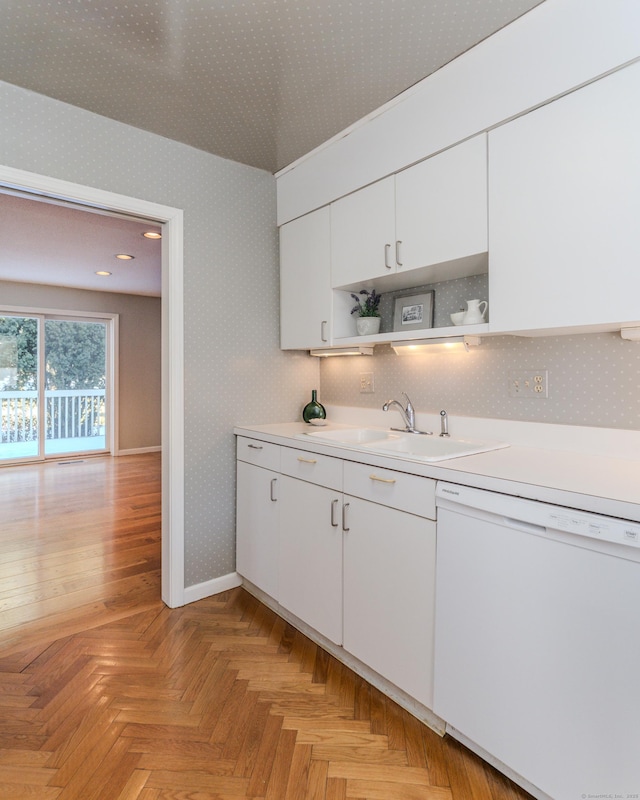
[(441, 206), (363, 234), (431, 214), (564, 211), (305, 281)]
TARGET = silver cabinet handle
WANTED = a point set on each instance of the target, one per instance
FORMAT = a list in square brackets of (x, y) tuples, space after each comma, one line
[(274, 481), (307, 460), (398, 262), (334, 505), (382, 480), (344, 517), (387, 248), (323, 330), (256, 446)]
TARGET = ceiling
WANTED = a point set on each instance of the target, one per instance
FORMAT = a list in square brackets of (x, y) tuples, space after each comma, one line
[(261, 82), (56, 245)]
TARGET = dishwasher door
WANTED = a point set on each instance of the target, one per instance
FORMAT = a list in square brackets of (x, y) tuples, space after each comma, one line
[(537, 644)]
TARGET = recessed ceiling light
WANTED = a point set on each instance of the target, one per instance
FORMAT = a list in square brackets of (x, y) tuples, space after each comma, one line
[(102, 272), (124, 257), (152, 235)]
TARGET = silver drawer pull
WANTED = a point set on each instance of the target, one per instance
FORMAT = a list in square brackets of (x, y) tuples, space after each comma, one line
[(382, 480), (334, 505), (345, 507), (307, 460), (398, 262), (256, 447), (273, 497), (387, 247)]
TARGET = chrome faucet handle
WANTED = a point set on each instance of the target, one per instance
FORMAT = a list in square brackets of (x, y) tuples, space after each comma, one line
[(444, 423)]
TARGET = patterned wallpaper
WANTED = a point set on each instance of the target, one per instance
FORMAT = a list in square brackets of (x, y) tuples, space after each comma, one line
[(234, 370), (594, 380)]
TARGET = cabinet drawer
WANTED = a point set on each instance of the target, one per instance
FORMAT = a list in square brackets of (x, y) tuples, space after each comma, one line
[(262, 454), (322, 470), (390, 488)]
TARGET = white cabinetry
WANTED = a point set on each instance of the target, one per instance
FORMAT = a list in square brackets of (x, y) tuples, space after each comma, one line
[(363, 234), (420, 219), (355, 556), (441, 211), (389, 577), (564, 200), (257, 518), (311, 540), (305, 282)]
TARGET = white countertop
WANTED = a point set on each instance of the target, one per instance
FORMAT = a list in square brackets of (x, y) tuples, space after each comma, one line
[(596, 482)]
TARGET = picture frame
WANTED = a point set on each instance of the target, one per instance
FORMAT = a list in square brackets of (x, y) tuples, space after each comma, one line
[(413, 311)]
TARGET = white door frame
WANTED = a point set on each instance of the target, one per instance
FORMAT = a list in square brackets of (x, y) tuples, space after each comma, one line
[(172, 351)]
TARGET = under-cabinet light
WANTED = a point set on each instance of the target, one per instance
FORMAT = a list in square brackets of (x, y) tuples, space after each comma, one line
[(342, 351), (415, 346), (632, 334)]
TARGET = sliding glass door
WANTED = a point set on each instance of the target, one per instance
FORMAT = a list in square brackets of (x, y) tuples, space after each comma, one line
[(19, 387), (53, 386), (75, 386)]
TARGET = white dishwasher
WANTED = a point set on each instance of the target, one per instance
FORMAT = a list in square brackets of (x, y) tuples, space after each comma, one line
[(537, 644)]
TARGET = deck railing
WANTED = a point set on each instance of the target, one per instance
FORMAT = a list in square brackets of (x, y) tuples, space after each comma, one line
[(69, 414)]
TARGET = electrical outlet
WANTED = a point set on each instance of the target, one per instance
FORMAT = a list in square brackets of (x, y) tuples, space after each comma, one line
[(366, 382), (529, 384)]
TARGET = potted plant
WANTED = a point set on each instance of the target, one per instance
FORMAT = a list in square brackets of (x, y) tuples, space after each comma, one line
[(366, 308)]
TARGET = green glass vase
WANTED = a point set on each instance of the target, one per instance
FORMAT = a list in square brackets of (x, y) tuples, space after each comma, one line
[(314, 409)]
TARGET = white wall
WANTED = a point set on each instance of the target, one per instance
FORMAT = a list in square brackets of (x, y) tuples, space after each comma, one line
[(234, 370)]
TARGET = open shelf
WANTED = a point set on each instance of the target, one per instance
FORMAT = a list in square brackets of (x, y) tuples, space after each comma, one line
[(407, 336)]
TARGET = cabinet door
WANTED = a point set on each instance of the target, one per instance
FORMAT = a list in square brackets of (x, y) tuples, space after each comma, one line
[(389, 590), (564, 202), (257, 526), (305, 282), (363, 234), (311, 555), (441, 206)]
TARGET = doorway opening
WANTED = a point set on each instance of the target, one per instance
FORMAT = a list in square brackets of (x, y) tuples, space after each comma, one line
[(172, 347)]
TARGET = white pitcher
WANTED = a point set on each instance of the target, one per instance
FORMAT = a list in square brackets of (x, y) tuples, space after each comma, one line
[(475, 312)]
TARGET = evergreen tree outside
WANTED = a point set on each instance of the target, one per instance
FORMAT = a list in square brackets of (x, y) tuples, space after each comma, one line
[(18, 353), (74, 354)]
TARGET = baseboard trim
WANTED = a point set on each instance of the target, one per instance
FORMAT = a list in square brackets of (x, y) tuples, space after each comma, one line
[(134, 451), (208, 588)]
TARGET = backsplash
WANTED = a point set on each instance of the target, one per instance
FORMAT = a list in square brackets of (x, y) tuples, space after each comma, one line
[(594, 379)]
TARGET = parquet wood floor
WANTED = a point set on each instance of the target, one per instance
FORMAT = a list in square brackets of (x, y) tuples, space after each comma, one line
[(116, 699)]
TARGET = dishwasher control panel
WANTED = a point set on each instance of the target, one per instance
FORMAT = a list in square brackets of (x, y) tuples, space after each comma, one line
[(610, 530), (532, 513)]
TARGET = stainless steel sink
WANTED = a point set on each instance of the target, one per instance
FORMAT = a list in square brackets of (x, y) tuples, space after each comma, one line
[(411, 446)]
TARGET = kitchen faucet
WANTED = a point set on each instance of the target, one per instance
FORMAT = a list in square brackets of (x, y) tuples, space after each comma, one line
[(408, 415)]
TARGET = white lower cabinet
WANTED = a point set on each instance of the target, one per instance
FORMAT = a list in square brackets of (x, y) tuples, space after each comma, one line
[(389, 581), (311, 555), (258, 515), (354, 559)]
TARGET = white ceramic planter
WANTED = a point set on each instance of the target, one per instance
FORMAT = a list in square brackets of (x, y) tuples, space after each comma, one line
[(366, 326)]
